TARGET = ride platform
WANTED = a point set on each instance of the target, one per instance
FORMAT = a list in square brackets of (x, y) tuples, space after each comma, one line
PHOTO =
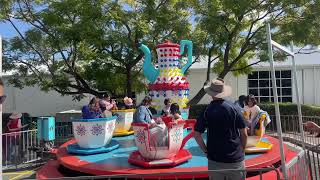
[(116, 161)]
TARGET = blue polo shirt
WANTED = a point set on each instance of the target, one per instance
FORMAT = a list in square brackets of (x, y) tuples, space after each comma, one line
[(222, 119)]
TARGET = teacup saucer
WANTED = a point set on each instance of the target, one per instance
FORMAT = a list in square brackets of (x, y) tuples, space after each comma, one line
[(76, 149)]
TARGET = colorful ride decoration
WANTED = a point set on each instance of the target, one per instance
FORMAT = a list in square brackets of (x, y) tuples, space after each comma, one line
[(93, 135), (168, 80), (254, 143), (172, 155), (123, 122)]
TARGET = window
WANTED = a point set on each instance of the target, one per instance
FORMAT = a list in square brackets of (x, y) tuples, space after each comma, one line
[(260, 85)]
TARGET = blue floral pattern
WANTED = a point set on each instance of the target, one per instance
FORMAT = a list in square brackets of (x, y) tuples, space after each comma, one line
[(97, 130), (81, 130), (176, 135)]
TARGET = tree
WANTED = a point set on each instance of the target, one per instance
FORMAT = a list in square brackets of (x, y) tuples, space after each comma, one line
[(236, 30), (87, 46)]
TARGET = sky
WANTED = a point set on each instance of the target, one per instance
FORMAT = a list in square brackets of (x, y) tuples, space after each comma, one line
[(7, 31)]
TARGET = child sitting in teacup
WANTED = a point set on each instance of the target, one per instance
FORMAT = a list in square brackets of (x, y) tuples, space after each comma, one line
[(93, 110), (128, 103), (106, 104), (175, 112), (166, 110)]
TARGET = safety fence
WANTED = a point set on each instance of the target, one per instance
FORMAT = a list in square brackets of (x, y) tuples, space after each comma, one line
[(16, 148), (62, 134), (24, 147), (306, 158), (211, 174), (297, 167)]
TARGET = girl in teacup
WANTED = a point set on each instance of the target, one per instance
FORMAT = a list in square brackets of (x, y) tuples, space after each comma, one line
[(92, 110), (128, 103), (251, 109), (175, 112), (166, 110)]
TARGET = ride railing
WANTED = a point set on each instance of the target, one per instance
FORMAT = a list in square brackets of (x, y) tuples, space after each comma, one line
[(291, 132), (22, 148), (297, 167), (17, 148), (307, 159), (313, 156), (256, 172), (63, 134)]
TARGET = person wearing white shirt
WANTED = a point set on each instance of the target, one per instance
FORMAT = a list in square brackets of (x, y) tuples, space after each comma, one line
[(251, 109)]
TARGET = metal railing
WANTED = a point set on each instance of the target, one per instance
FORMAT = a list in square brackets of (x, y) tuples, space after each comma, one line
[(291, 132), (20, 148), (16, 148), (297, 167), (63, 134), (258, 172), (306, 159), (314, 162)]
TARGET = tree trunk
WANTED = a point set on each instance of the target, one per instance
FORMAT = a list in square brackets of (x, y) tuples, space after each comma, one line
[(197, 98), (129, 82)]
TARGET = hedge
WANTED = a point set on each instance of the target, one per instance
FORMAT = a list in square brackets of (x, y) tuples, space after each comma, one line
[(285, 109)]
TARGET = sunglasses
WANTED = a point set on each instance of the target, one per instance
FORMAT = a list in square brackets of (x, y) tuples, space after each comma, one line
[(2, 98)]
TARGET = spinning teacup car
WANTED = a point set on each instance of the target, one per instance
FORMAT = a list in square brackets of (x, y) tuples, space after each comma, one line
[(123, 123), (255, 142), (170, 155), (93, 136)]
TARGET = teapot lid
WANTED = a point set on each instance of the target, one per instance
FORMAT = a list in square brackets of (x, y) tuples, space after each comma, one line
[(167, 44)]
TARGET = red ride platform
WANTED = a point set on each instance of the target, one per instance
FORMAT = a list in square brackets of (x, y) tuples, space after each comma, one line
[(116, 162)]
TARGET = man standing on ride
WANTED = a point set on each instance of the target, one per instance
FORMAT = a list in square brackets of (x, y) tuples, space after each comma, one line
[(226, 133)]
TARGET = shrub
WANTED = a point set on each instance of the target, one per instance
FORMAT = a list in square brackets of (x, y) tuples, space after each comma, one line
[(285, 109)]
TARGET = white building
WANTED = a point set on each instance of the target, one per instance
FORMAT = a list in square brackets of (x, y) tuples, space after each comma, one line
[(259, 82), (39, 103)]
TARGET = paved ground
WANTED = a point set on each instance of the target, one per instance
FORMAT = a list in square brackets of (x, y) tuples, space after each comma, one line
[(25, 174)]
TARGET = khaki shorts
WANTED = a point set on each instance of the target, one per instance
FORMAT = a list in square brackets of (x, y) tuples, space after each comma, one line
[(226, 175)]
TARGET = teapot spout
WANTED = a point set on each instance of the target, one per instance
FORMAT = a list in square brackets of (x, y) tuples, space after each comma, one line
[(149, 71)]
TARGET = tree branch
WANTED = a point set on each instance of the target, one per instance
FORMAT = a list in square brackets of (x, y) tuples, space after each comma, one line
[(243, 68)]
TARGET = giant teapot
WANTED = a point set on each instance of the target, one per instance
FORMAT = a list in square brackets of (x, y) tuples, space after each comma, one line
[(168, 79)]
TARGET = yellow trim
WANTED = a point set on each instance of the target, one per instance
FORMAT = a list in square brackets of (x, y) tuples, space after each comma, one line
[(260, 147), (122, 133), (124, 110), (19, 175)]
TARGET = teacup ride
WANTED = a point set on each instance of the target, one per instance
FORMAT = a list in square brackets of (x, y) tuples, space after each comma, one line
[(174, 154), (123, 122), (255, 144), (93, 136)]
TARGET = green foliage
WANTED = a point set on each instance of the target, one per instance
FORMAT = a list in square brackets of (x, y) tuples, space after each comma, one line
[(236, 29), (87, 46), (285, 109)]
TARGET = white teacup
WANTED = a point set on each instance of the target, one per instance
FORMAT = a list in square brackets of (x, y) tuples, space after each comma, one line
[(93, 133), (124, 120), (175, 137)]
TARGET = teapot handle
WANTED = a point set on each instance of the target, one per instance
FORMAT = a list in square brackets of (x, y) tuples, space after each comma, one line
[(188, 43), (189, 123)]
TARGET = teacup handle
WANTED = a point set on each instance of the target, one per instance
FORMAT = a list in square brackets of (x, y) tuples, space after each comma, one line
[(189, 123), (188, 43)]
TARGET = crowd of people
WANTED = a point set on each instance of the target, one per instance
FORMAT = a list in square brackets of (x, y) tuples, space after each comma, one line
[(102, 107)]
